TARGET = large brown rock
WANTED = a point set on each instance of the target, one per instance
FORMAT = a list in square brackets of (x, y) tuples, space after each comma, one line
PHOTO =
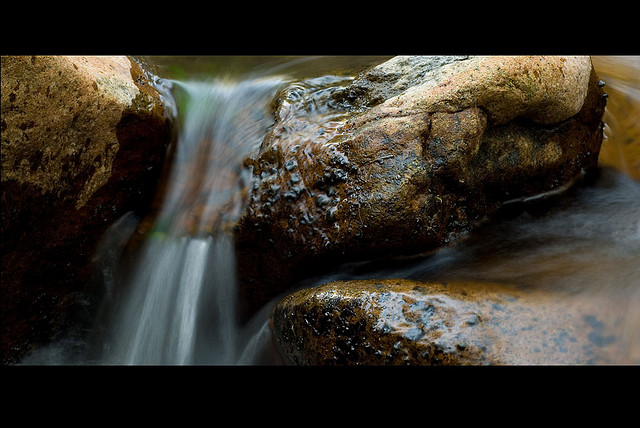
[(403, 322), (401, 161), (83, 142)]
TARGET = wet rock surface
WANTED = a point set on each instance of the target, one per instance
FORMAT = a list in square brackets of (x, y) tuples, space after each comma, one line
[(83, 142), (404, 322), (397, 163)]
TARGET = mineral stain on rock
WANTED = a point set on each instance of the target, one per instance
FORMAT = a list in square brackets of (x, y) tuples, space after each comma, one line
[(598, 336)]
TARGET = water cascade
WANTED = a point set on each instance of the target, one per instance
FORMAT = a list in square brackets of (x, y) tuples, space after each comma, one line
[(173, 300), (180, 298)]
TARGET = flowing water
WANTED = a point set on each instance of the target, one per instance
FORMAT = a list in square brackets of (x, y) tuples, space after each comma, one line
[(173, 301), (179, 299), (184, 279)]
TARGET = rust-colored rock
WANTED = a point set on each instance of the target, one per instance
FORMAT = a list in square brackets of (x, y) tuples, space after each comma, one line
[(402, 322), (355, 171), (83, 142)]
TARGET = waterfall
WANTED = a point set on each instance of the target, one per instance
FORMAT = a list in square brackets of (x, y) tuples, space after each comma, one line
[(178, 303)]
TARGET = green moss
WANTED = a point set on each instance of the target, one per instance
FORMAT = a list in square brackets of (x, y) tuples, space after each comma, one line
[(531, 86)]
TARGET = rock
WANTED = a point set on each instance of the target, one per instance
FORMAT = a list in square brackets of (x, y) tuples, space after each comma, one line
[(404, 160), (83, 142), (392, 78), (403, 322)]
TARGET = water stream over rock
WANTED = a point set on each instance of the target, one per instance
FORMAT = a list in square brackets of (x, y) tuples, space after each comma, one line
[(173, 300), (179, 302)]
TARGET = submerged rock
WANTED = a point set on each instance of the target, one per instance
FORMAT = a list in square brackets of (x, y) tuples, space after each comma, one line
[(83, 142), (409, 156), (403, 322)]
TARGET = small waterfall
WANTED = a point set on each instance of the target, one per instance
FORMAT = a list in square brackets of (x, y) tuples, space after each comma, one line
[(179, 300), (173, 301)]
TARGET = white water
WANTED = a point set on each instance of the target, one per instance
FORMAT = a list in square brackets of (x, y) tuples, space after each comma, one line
[(179, 305)]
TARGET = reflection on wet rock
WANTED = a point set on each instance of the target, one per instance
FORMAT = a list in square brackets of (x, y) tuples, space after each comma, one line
[(405, 322), (345, 174)]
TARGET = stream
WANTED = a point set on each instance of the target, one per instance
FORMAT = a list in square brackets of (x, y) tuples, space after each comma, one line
[(169, 300)]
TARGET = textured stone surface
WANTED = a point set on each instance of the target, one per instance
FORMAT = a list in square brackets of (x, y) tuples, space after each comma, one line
[(395, 163), (545, 89), (402, 322), (59, 121), (83, 142)]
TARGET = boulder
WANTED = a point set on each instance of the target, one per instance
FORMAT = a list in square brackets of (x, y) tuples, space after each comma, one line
[(83, 142), (407, 157), (404, 322)]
